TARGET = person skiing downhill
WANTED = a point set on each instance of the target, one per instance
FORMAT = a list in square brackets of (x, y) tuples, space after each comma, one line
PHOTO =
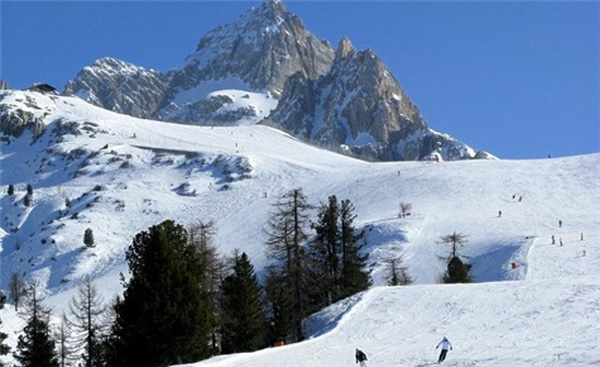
[(360, 357), (445, 344)]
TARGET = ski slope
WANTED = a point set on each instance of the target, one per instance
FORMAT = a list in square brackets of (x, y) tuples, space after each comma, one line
[(544, 312)]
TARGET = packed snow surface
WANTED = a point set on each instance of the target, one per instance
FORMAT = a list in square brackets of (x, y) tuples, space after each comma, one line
[(534, 303)]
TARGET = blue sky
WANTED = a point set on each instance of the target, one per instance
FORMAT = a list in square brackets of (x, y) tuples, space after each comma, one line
[(517, 79)]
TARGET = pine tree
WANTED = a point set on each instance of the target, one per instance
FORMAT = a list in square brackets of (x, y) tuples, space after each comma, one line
[(4, 349), (355, 276), (244, 324), (88, 237), (29, 190), (11, 189), (458, 272), (26, 201), (35, 346), (286, 234), (86, 322), (326, 253), (164, 316)]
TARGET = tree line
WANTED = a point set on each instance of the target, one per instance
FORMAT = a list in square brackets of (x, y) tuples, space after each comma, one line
[(183, 302)]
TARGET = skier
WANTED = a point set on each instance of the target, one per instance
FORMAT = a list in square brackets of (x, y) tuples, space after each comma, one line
[(559, 223), (445, 344), (499, 213), (360, 357), (553, 240)]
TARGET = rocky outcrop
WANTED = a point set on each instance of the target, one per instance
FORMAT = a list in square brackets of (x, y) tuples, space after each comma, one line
[(14, 120), (3, 84), (120, 86)]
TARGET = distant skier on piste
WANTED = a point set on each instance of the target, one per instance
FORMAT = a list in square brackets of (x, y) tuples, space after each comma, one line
[(445, 344), (361, 358)]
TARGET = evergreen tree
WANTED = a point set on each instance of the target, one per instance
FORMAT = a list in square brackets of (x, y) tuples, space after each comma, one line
[(281, 307), (4, 349), (286, 234), (87, 311), (26, 201), (244, 324), (326, 253), (355, 276), (35, 346), (11, 189), (88, 237), (29, 190), (164, 316), (458, 272)]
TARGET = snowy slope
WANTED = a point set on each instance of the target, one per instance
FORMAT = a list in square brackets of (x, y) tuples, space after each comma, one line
[(545, 312)]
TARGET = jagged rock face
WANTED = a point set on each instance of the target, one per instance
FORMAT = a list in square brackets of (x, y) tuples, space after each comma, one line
[(3, 84), (120, 86), (360, 106), (262, 48)]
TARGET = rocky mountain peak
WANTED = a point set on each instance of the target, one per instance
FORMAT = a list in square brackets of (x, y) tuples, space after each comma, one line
[(273, 8), (344, 48), (262, 48)]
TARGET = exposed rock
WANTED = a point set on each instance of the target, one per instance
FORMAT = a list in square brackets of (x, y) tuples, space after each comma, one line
[(262, 48), (360, 105), (120, 86), (14, 121)]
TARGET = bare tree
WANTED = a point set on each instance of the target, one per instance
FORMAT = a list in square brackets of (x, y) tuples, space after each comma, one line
[(405, 209), (456, 240), (201, 236), (16, 288), (286, 233), (62, 337), (397, 274), (87, 323)]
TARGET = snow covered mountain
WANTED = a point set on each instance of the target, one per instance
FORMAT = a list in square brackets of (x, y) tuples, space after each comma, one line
[(123, 174), (233, 77), (266, 67)]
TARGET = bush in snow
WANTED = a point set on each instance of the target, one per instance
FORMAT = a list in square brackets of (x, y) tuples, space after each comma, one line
[(88, 237), (26, 201), (29, 189), (11, 189)]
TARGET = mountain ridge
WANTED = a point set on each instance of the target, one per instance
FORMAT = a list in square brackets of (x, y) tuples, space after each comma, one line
[(238, 75)]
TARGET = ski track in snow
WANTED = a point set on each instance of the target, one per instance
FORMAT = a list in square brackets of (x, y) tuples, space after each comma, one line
[(544, 312)]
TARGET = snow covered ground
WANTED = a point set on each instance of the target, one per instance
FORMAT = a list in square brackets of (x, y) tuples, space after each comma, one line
[(545, 312)]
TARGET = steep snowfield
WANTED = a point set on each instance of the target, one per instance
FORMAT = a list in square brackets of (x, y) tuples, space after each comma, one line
[(544, 312)]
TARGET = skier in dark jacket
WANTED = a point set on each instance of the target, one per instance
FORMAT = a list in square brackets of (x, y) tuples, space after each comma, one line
[(360, 357), (445, 344)]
